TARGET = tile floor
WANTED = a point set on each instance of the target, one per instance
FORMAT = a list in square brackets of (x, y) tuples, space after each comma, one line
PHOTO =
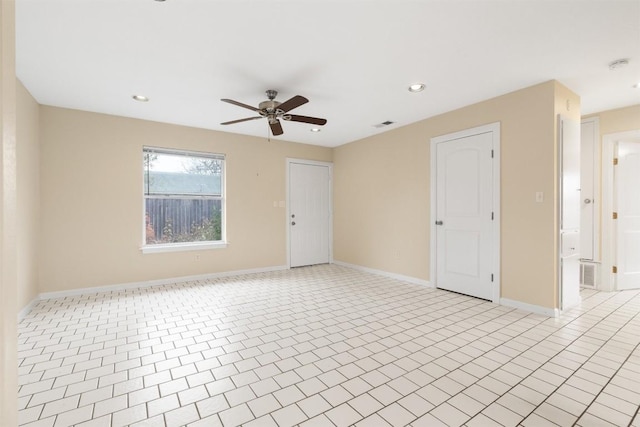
[(325, 346)]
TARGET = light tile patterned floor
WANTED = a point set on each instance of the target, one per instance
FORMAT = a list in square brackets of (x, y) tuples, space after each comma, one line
[(325, 346)]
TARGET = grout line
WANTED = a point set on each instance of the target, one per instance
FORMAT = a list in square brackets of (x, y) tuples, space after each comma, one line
[(590, 357), (540, 367), (609, 381), (385, 316), (635, 417)]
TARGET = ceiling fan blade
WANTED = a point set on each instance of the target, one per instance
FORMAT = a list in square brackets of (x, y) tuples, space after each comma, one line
[(240, 104), (276, 127), (305, 119), (292, 103), (241, 120)]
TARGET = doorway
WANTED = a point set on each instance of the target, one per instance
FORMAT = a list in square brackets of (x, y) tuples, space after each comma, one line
[(309, 212), (621, 211), (465, 200), (590, 190)]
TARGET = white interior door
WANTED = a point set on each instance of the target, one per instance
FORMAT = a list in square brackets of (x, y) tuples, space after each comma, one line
[(627, 200), (589, 136), (570, 212), (309, 214), (464, 212)]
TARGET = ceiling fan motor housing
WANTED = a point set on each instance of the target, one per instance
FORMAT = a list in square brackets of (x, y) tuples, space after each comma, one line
[(269, 106)]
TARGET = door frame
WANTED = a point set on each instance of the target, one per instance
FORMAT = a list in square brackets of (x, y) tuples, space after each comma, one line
[(593, 170), (567, 257), (607, 278), (494, 129), (290, 161)]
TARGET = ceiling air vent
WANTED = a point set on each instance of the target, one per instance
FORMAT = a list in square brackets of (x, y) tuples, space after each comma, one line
[(383, 124)]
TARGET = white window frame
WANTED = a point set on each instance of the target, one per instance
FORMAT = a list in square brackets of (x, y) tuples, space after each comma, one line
[(185, 246)]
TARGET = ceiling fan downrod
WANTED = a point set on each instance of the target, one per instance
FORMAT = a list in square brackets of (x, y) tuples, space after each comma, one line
[(271, 94)]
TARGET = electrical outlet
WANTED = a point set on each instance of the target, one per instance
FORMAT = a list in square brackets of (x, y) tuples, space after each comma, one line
[(539, 197), (197, 257)]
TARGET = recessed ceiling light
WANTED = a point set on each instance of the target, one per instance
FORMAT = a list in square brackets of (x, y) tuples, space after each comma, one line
[(315, 129), (140, 98), (418, 87)]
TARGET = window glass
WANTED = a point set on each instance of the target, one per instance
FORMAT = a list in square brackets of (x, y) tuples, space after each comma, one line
[(183, 196)]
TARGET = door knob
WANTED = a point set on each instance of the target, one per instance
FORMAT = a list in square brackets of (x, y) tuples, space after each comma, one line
[(293, 223), (439, 222), (587, 201)]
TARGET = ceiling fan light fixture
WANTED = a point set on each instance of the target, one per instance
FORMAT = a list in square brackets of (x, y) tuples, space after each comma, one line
[(417, 87), (140, 98)]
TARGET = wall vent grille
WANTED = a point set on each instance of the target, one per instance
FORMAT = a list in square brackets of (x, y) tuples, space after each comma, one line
[(383, 124), (588, 275)]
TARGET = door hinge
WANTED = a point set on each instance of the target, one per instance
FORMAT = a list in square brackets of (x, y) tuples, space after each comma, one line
[(615, 215), (492, 277), (492, 154), (615, 161), (614, 269), (491, 216)]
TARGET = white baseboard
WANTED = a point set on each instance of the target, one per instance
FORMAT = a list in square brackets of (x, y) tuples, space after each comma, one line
[(537, 309), (159, 282), (150, 283), (550, 312), (27, 308), (401, 277), (575, 304)]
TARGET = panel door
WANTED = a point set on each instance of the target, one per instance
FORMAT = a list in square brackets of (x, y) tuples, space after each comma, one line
[(570, 174), (588, 168), (309, 222), (570, 194), (464, 205), (627, 183)]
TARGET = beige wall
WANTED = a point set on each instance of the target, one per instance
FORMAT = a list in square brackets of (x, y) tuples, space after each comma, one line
[(381, 202), (381, 192), (28, 203), (618, 120), (90, 170), (91, 183), (8, 224)]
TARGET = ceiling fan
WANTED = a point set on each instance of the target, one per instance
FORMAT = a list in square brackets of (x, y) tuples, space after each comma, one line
[(274, 110)]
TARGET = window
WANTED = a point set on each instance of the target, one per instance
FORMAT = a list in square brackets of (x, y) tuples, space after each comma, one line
[(183, 200)]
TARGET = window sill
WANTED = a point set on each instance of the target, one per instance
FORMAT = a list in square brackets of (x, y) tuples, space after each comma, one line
[(180, 247)]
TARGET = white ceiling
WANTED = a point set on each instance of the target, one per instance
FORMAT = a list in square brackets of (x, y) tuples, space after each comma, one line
[(353, 59)]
